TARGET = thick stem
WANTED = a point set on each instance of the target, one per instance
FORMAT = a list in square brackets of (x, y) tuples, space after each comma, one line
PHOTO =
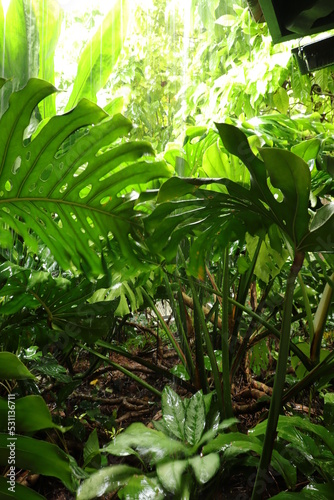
[(276, 400), (224, 339)]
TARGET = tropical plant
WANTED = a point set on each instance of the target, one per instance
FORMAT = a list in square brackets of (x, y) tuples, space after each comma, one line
[(173, 454), (282, 204), (28, 415), (69, 184)]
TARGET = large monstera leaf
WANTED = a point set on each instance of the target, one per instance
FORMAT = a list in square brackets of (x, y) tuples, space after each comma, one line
[(72, 182), (278, 194)]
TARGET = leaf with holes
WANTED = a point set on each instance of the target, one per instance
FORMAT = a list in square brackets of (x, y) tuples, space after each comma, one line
[(72, 184), (62, 303)]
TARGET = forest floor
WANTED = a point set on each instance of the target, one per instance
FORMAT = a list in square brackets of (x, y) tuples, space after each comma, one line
[(109, 401)]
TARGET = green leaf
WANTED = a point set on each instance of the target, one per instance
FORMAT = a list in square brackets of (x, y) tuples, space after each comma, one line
[(216, 163), (173, 412), (281, 100), (37, 456), (320, 237), (91, 448), (17, 491), (291, 175), (170, 474), (48, 22), (308, 150), (31, 414), (19, 45), (205, 467), (195, 418), (12, 368), (269, 262), (142, 487), (59, 188), (115, 106), (100, 54), (147, 443), (105, 480), (312, 491)]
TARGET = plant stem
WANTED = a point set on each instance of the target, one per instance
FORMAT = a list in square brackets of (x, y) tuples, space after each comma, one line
[(276, 400), (228, 412), (209, 348), (169, 334), (123, 370)]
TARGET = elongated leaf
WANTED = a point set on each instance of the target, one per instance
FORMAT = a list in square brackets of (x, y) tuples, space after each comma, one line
[(62, 190), (91, 448), (148, 443), (142, 487), (173, 412), (38, 456), (216, 163), (105, 480), (291, 175), (320, 237), (12, 368), (19, 46), (31, 414), (236, 143), (211, 433), (308, 150), (205, 467), (195, 418), (100, 54), (48, 21), (170, 474), (17, 492), (310, 492), (302, 424)]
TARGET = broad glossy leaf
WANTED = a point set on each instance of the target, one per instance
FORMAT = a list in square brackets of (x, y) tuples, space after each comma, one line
[(211, 433), (11, 368), (170, 474), (195, 418), (173, 412), (217, 164), (281, 100), (105, 480), (100, 54), (150, 444), (142, 487), (91, 448), (39, 457), (20, 492), (308, 150), (223, 441), (269, 262), (291, 175), (235, 141), (72, 192), (31, 415), (321, 235), (235, 443), (205, 467), (312, 491)]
